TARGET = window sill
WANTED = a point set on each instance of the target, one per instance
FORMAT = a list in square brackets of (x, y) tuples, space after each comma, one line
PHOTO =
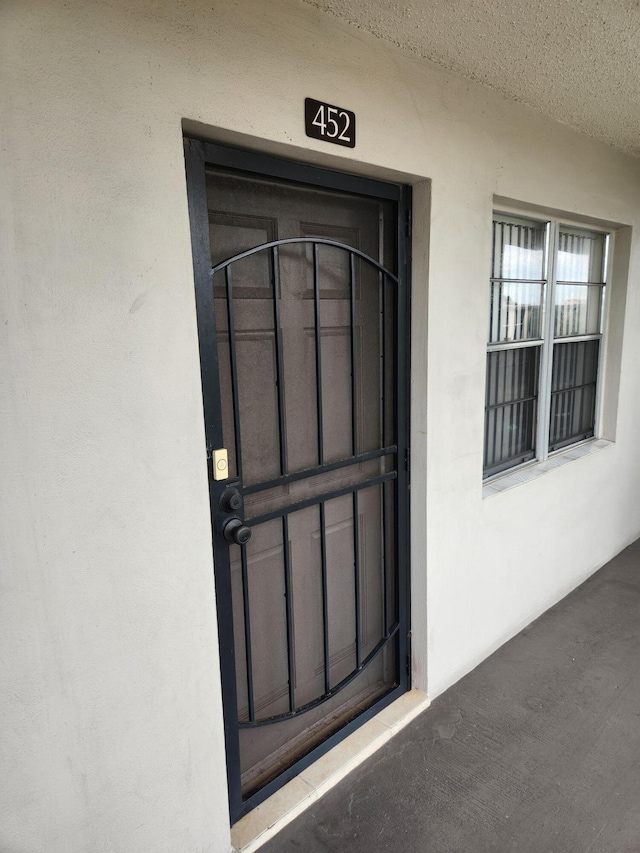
[(533, 470)]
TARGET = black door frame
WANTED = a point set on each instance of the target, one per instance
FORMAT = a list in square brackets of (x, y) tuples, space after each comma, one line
[(198, 154)]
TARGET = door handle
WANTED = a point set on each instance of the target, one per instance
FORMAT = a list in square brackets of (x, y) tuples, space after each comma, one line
[(234, 530)]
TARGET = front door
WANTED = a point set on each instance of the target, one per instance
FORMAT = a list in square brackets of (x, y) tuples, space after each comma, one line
[(301, 300)]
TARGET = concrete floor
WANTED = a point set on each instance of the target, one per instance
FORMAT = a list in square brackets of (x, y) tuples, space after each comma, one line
[(536, 751)]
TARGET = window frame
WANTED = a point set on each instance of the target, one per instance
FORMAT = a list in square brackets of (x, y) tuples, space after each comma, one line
[(552, 225)]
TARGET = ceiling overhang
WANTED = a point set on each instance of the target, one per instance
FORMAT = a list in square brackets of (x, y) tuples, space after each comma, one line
[(576, 61)]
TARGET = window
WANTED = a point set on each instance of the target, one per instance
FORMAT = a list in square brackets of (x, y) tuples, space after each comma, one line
[(545, 338)]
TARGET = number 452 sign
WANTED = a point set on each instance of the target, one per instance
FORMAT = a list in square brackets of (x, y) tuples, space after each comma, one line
[(329, 123)]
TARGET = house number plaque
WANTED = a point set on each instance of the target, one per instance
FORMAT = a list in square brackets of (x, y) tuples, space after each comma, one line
[(329, 123)]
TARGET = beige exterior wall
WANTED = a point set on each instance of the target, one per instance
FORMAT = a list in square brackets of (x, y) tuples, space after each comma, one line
[(110, 712)]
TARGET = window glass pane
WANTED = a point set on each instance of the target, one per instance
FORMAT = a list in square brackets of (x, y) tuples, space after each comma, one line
[(509, 436), (573, 392), (577, 310), (574, 364), (516, 309), (572, 416), (512, 375), (511, 398), (518, 248), (580, 256)]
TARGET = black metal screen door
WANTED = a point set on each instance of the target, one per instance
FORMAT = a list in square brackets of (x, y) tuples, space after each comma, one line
[(302, 349)]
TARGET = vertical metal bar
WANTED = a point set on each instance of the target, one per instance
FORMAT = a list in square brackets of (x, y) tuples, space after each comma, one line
[(559, 315), (279, 364), (325, 597), (513, 268), (498, 416), (494, 273), (505, 373), (289, 610), (382, 372), (500, 422), (234, 369), (356, 576), (514, 423), (385, 582), (525, 391), (574, 364), (316, 305), (513, 409), (247, 632), (354, 386), (569, 354), (498, 357), (519, 324), (517, 439), (486, 461), (577, 378), (528, 387), (492, 335), (494, 267), (487, 397), (596, 402)]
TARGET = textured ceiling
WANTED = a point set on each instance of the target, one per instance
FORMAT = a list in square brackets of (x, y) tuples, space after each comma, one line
[(577, 61)]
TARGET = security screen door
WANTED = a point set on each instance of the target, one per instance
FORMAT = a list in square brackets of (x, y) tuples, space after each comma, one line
[(302, 325)]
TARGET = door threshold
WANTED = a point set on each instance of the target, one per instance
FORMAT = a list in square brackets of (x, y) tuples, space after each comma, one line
[(267, 819)]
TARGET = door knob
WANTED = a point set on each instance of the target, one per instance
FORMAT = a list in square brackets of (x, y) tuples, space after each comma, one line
[(235, 531)]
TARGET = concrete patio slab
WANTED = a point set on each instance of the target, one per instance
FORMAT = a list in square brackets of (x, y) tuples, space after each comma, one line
[(536, 751)]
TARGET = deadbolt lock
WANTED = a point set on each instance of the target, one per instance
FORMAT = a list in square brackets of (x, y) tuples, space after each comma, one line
[(231, 500)]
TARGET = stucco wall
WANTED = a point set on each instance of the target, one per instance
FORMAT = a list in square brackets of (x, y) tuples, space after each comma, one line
[(110, 714)]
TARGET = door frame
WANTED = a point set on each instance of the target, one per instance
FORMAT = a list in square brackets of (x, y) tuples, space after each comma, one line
[(199, 154)]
